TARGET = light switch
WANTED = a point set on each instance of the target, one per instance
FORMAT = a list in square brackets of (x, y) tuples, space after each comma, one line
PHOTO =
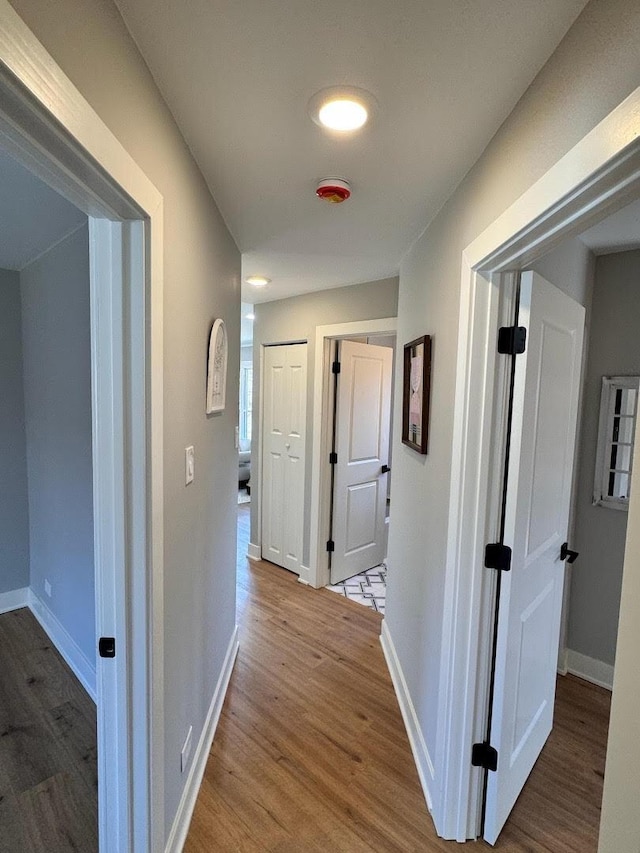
[(189, 464)]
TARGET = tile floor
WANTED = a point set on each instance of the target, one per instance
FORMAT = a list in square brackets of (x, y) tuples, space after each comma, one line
[(368, 588)]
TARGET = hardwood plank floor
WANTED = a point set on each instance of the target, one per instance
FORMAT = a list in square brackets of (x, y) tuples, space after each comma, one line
[(311, 752), (48, 765)]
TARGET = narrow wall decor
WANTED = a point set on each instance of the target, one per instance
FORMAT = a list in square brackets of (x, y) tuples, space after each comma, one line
[(415, 396), (217, 368)]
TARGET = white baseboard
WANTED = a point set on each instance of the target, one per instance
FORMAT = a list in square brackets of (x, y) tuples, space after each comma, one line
[(14, 600), (304, 576), (254, 552), (82, 667), (180, 828), (421, 756), (590, 669)]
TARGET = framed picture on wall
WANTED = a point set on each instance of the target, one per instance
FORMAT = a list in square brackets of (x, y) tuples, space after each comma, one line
[(217, 368), (415, 397)]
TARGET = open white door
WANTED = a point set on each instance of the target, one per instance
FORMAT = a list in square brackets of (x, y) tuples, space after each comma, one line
[(545, 406), (363, 415), (283, 447)]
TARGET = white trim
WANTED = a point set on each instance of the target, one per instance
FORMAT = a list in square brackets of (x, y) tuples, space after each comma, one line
[(79, 663), (596, 671), (87, 165), (597, 176), (180, 828), (303, 577), (15, 599), (318, 518), (254, 552), (424, 763)]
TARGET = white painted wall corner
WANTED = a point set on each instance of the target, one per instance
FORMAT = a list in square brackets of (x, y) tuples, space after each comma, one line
[(180, 828), (424, 764)]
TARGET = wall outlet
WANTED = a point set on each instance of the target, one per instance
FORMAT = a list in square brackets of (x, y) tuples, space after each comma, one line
[(185, 755), (189, 465), (47, 588)]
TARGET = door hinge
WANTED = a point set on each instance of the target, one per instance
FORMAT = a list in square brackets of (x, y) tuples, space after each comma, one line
[(331, 545), (512, 340), (333, 459), (497, 556), (484, 755), (107, 647), (335, 367)]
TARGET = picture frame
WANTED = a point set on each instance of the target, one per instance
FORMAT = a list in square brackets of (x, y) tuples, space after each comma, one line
[(416, 393), (217, 368)]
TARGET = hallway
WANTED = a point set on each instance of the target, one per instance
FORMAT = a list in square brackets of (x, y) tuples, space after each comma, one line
[(311, 752)]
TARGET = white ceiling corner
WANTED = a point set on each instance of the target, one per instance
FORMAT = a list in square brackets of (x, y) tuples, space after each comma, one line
[(238, 78)]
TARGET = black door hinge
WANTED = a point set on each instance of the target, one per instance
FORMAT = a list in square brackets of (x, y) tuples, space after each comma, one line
[(512, 340), (335, 367), (333, 459), (497, 556), (567, 554), (331, 545), (484, 755), (107, 647)]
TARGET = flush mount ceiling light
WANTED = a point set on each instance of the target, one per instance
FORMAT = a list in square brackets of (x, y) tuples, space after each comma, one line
[(342, 108), (257, 280)]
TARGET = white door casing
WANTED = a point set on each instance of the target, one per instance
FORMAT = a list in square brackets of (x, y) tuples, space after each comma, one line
[(363, 416), (283, 454), (545, 408)]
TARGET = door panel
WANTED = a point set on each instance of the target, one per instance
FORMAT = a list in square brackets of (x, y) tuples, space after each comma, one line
[(545, 407), (284, 407), (363, 414)]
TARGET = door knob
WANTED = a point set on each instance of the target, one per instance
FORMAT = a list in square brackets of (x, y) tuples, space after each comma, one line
[(385, 469), (287, 445), (567, 554)]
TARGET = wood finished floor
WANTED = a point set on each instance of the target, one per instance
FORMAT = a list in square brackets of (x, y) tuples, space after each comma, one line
[(311, 752), (48, 769)]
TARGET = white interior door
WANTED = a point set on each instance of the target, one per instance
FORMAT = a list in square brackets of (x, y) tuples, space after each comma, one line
[(283, 454), (363, 415), (543, 433)]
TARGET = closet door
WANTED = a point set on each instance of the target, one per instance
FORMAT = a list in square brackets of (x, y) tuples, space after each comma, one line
[(283, 454)]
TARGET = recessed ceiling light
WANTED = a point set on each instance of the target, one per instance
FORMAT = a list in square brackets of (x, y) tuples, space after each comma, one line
[(342, 108), (257, 280)]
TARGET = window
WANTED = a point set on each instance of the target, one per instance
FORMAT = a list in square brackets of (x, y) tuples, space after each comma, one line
[(246, 391), (616, 434)]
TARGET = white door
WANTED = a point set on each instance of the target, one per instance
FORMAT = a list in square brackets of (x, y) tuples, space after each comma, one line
[(543, 433), (283, 447), (363, 415)]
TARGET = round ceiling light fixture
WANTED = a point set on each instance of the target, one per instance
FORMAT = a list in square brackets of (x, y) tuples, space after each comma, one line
[(333, 190), (342, 108), (258, 280)]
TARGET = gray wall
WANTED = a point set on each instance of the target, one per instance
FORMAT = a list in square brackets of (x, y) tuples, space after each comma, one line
[(201, 282), (57, 398), (296, 319), (600, 531), (14, 509), (594, 68)]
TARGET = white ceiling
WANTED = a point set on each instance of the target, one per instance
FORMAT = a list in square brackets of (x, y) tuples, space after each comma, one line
[(32, 216), (238, 77), (619, 232)]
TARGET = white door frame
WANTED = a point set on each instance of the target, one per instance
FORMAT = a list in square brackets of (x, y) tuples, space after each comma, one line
[(600, 174), (319, 574), (48, 126)]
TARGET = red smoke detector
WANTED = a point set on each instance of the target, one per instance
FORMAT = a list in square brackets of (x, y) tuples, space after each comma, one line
[(333, 190)]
